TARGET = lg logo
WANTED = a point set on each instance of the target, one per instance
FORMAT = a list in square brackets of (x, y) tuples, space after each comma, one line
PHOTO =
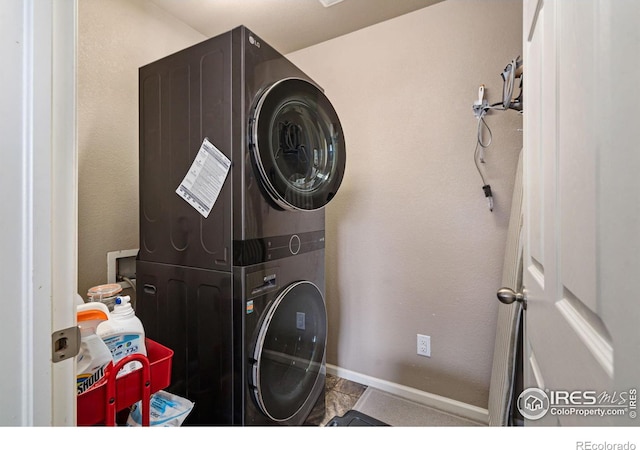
[(253, 41)]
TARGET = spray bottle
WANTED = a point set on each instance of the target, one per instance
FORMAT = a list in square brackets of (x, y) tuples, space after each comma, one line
[(94, 359), (124, 334)]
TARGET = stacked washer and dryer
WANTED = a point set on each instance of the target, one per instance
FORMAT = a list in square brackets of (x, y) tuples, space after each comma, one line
[(239, 294)]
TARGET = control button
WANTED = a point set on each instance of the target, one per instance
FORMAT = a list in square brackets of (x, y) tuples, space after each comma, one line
[(294, 244)]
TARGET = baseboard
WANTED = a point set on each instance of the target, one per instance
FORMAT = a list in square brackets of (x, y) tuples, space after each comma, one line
[(435, 401)]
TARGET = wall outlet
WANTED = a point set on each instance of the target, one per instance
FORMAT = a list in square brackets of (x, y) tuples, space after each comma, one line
[(424, 345)]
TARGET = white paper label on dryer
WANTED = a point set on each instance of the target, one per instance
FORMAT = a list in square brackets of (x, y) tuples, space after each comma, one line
[(203, 183)]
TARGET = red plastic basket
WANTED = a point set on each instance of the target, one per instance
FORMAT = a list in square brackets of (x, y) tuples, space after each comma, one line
[(99, 404)]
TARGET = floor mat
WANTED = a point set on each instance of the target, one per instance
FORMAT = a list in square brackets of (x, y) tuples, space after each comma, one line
[(398, 412), (354, 418)]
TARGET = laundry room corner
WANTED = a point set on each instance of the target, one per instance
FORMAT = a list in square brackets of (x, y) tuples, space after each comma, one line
[(113, 42), (412, 246)]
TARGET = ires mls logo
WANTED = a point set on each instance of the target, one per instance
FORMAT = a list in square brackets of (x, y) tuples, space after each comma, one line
[(534, 403)]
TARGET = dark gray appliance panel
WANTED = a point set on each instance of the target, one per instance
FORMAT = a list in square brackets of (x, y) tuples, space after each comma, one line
[(258, 67), (184, 98), (290, 351), (261, 284), (190, 311)]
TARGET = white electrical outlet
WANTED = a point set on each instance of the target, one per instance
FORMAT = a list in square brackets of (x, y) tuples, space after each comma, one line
[(424, 345)]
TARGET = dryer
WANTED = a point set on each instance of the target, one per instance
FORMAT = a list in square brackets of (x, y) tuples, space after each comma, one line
[(276, 126), (197, 275)]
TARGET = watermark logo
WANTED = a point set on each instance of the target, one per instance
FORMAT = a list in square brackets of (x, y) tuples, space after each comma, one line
[(534, 403), (589, 445)]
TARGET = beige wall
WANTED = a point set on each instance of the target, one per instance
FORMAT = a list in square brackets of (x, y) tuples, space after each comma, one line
[(411, 245), (116, 37)]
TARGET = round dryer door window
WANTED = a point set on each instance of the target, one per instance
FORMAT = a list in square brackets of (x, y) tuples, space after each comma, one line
[(297, 145), (289, 352)]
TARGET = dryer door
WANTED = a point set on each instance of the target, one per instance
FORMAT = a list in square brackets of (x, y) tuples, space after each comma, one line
[(297, 145), (289, 352)]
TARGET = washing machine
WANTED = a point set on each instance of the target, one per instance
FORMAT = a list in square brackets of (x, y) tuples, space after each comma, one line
[(249, 346), (207, 281), (285, 331)]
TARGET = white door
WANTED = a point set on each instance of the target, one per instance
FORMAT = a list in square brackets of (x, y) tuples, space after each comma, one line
[(38, 219), (582, 212)]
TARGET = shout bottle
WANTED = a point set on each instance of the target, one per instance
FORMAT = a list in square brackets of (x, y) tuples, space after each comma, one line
[(94, 358)]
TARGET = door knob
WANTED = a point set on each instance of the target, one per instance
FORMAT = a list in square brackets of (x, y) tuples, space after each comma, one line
[(508, 296)]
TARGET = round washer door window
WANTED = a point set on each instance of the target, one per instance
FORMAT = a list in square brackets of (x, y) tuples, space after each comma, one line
[(297, 145), (290, 350)]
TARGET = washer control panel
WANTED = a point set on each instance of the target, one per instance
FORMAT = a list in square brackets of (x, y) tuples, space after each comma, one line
[(256, 251)]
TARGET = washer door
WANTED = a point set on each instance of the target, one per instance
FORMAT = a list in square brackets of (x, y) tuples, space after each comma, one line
[(289, 351), (297, 144)]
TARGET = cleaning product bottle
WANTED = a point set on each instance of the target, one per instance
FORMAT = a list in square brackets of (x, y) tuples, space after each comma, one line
[(123, 333), (94, 358)]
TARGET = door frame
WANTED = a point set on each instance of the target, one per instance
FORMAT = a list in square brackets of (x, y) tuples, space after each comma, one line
[(39, 177)]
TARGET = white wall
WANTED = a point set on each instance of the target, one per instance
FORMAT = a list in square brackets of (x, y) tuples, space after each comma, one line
[(115, 38), (411, 245)]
